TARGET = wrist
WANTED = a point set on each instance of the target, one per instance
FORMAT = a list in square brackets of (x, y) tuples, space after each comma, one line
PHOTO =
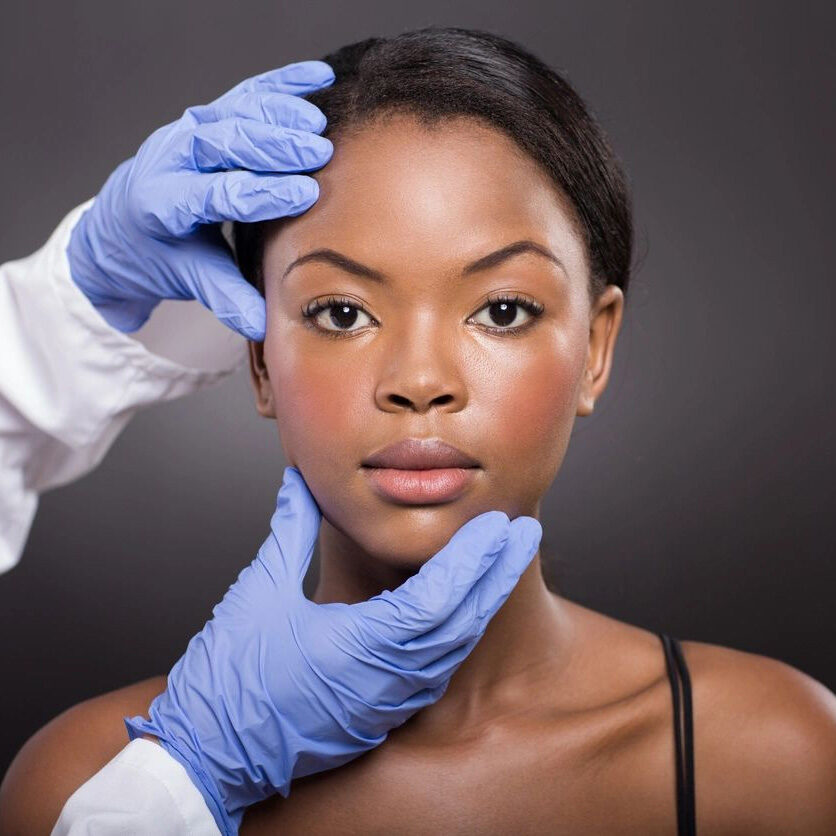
[(83, 268)]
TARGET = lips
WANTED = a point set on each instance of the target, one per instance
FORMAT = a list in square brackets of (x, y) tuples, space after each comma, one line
[(419, 454), (420, 487)]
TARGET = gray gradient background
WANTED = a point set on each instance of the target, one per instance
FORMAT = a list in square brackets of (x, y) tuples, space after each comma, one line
[(698, 498)]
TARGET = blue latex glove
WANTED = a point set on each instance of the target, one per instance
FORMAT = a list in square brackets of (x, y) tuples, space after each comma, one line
[(276, 687), (153, 230)]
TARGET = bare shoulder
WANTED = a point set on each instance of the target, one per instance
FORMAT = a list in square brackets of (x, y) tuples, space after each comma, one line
[(764, 744), (764, 732), (66, 753)]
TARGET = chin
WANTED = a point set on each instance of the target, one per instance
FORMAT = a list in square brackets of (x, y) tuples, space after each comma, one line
[(406, 537), (409, 559)]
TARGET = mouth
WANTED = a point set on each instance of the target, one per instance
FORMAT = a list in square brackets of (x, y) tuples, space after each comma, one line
[(418, 471), (419, 454), (421, 487)]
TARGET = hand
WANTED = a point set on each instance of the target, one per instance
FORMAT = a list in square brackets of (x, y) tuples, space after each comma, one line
[(153, 231), (276, 687)]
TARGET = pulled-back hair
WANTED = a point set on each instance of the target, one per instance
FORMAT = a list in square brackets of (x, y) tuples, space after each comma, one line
[(440, 72)]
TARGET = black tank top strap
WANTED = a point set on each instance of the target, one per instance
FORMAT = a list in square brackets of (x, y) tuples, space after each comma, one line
[(683, 727)]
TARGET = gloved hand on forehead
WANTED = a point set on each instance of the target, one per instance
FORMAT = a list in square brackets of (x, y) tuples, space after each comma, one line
[(276, 687), (153, 231)]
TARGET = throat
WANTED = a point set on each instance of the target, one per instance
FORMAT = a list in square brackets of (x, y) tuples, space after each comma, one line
[(517, 664), (526, 647)]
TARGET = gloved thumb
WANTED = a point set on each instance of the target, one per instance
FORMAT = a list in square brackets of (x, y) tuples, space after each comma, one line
[(294, 528)]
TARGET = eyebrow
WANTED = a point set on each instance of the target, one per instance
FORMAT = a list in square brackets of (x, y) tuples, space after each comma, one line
[(329, 256)]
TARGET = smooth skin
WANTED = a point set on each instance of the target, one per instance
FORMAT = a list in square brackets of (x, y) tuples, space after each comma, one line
[(560, 720)]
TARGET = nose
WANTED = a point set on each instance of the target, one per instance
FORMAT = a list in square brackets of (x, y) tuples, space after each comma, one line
[(423, 370)]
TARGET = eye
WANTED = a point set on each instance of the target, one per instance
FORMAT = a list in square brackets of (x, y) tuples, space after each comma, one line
[(503, 312), (341, 313)]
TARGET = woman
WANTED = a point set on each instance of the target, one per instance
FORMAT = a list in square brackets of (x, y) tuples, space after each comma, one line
[(462, 278)]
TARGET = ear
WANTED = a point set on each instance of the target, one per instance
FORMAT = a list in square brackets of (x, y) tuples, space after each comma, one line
[(261, 381), (604, 325)]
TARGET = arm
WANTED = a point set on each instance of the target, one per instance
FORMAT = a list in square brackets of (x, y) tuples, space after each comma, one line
[(69, 382), (70, 377)]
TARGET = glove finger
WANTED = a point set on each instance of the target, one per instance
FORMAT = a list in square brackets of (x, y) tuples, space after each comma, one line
[(430, 596), (503, 576), (439, 672), (235, 302), (241, 196), (294, 528), (399, 714), (470, 619), (253, 145), (269, 107), (214, 279), (421, 654), (434, 676), (298, 78)]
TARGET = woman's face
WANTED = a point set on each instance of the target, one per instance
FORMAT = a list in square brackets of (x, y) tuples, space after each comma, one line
[(423, 352)]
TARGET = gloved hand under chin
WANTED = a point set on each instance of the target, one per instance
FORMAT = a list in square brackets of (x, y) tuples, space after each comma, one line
[(276, 687), (153, 230)]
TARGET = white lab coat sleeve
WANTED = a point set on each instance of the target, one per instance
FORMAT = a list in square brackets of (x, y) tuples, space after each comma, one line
[(142, 790), (69, 382)]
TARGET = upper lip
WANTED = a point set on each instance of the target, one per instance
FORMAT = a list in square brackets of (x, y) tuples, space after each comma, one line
[(419, 454)]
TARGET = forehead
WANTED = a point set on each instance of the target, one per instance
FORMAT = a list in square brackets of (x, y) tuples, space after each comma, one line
[(396, 191)]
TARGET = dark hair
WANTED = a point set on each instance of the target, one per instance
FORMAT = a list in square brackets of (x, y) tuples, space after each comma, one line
[(439, 72)]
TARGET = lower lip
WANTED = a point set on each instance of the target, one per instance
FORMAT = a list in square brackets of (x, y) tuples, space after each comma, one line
[(421, 487)]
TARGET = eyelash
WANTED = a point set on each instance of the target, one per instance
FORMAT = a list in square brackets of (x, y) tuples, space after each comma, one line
[(310, 312)]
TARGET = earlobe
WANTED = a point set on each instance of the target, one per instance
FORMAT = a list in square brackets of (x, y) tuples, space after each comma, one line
[(260, 379), (603, 332), (586, 399)]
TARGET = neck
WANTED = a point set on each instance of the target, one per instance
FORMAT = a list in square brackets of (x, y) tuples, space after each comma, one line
[(526, 642)]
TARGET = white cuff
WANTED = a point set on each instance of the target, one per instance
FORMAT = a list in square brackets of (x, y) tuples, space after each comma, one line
[(70, 382), (142, 790)]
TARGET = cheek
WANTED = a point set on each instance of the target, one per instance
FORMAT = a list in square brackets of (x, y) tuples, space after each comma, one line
[(532, 409), (546, 395), (315, 398)]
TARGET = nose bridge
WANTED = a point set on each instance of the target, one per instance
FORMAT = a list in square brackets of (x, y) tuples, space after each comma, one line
[(422, 365)]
